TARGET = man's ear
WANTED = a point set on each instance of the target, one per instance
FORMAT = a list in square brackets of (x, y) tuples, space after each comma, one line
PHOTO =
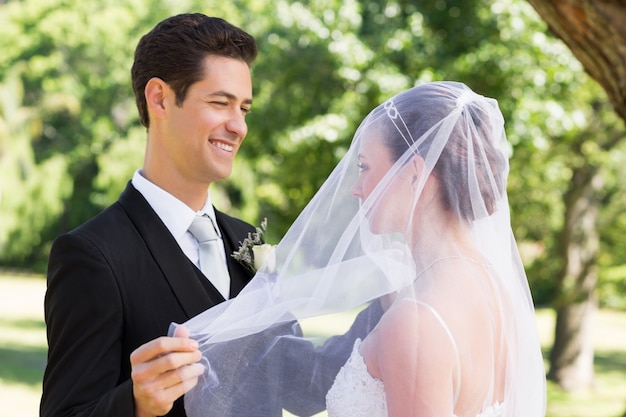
[(156, 93)]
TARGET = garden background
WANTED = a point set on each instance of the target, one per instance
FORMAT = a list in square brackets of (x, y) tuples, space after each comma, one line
[(70, 139)]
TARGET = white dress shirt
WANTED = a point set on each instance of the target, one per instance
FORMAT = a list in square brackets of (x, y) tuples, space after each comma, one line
[(176, 215)]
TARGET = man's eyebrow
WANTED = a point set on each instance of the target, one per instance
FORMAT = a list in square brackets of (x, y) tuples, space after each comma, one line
[(228, 96)]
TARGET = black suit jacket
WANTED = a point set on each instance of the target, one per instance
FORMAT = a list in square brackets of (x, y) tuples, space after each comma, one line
[(115, 283)]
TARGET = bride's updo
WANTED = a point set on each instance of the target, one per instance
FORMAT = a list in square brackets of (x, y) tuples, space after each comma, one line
[(439, 122)]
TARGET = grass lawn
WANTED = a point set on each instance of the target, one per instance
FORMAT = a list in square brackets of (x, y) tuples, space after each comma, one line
[(23, 356), (608, 397), (22, 345)]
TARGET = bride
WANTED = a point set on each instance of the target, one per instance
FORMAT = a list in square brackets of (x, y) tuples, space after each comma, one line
[(411, 234)]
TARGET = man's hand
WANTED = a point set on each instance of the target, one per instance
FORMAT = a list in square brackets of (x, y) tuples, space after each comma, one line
[(162, 371)]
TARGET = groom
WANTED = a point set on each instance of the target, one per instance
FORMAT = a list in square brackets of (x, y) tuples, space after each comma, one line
[(117, 282)]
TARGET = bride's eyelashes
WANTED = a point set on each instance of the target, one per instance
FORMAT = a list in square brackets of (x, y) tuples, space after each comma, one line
[(361, 166)]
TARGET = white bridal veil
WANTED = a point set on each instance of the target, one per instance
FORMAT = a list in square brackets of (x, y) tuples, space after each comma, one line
[(407, 247)]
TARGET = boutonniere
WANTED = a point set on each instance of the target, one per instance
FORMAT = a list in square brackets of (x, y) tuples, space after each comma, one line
[(253, 253)]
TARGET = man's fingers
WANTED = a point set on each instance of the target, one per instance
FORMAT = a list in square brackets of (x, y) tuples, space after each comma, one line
[(188, 376), (157, 392), (179, 382), (181, 331), (169, 380), (161, 346), (164, 369), (163, 364)]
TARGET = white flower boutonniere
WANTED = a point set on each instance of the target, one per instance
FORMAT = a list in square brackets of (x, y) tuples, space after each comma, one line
[(253, 253), (264, 254)]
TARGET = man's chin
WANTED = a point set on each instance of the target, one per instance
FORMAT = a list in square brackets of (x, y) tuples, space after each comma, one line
[(222, 175)]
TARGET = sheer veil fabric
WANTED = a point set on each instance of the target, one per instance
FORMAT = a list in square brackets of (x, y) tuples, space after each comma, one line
[(409, 243)]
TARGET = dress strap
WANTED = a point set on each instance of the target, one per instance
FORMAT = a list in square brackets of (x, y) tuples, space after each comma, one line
[(454, 346)]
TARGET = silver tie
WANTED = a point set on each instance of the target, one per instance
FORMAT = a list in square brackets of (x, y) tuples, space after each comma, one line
[(211, 263)]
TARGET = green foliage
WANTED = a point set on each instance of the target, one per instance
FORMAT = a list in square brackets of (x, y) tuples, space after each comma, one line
[(613, 287), (70, 137), (323, 67), (72, 70), (69, 132)]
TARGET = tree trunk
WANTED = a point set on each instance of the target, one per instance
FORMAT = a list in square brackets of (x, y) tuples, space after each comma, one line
[(595, 31), (571, 359)]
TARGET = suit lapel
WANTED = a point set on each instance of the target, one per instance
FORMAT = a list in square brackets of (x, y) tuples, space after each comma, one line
[(233, 234), (179, 272)]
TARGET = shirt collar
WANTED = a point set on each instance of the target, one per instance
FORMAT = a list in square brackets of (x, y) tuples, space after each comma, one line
[(175, 214)]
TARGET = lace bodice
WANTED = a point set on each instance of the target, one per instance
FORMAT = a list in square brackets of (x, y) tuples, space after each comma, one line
[(355, 393)]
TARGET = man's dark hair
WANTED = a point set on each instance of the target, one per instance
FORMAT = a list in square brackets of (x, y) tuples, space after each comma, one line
[(175, 49)]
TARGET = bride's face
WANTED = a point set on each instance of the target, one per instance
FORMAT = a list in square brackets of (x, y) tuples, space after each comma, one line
[(375, 161)]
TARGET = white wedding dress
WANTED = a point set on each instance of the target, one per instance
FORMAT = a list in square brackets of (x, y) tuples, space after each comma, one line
[(417, 207), (355, 393)]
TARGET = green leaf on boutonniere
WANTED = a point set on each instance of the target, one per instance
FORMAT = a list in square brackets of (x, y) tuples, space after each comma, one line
[(246, 253)]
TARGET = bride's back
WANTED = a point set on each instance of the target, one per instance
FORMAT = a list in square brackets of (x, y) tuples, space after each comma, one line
[(442, 346)]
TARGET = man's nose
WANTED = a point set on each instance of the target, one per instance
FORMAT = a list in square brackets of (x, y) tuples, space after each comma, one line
[(237, 124)]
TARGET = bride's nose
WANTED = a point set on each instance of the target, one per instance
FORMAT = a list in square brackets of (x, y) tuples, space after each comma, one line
[(356, 190)]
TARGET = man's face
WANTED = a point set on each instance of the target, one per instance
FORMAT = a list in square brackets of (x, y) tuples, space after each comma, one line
[(203, 135)]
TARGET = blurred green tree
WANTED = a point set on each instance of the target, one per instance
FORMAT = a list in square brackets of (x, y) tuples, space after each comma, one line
[(70, 138), (69, 135), (595, 33)]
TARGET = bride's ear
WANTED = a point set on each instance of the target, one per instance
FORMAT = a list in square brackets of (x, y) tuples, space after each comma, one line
[(416, 168)]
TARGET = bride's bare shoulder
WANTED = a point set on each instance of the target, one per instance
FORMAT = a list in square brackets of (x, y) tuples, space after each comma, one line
[(409, 320)]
